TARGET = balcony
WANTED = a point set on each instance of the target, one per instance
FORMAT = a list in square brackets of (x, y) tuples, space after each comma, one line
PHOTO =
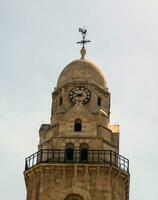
[(62, 156)]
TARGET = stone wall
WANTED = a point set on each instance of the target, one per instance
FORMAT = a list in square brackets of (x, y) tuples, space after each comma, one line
[(92, 182)]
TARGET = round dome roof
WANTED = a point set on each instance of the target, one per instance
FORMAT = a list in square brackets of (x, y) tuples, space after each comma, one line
[(82, 71)]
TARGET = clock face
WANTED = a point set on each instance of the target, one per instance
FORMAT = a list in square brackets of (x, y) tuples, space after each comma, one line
[(80, 94)]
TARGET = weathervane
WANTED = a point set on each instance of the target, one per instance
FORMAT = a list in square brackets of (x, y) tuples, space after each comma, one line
[(83, 42)]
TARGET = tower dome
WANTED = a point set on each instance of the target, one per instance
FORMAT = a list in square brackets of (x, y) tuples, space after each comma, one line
[(82, 71)]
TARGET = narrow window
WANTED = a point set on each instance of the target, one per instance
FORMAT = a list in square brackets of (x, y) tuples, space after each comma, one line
[(84, 155), (99, 101), (69, 153), (78, 125), (60, 101)]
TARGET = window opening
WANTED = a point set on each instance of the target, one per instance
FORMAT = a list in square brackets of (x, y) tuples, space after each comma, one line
[(69, 153), (78, 125), (84, 155), (74, 197), (99, 101), (60, 101)]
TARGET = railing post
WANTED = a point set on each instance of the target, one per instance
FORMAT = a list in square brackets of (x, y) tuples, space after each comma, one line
[(110, 158), (115, 159), (59, 155), (128, 166), (98, 156), (26, 167), (41, 151)]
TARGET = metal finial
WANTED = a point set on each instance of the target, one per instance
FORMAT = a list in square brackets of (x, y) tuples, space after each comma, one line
[(83, 42)]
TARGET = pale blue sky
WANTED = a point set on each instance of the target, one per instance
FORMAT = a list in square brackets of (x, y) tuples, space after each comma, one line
[(38, 38)]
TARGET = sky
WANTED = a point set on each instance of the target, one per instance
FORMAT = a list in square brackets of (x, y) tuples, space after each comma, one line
[(38, 39)]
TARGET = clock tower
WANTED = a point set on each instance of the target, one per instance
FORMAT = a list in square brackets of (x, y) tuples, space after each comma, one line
[(78, 153)]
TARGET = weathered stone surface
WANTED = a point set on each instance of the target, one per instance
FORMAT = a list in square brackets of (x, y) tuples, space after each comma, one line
[(90, 182)]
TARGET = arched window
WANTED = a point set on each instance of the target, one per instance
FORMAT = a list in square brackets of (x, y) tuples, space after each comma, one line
[(84, 153), (74, 197), (69, 152), (78, 125)]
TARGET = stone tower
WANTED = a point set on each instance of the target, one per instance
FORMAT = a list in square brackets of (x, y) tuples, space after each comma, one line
[(78, 152)]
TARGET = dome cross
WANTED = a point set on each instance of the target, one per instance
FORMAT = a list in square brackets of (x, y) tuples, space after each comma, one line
[(83, 32)]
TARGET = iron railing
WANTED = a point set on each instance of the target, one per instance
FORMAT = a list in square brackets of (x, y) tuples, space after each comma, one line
[(57, 156)]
